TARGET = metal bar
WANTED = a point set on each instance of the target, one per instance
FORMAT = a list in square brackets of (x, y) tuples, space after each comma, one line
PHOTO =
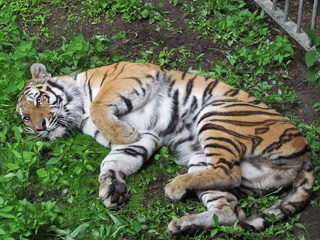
[(274, 5), (288, 26), (300, 16), (286, 11), (314, 14)]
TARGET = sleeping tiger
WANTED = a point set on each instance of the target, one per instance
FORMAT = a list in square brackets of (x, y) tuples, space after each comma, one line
[(233, 144)]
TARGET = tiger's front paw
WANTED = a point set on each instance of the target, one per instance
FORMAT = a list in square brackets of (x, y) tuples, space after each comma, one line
[(113, 189), (176, 189), (123, 135)]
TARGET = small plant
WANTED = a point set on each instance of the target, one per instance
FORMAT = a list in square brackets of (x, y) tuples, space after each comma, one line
[(312, 57), (312, 60)]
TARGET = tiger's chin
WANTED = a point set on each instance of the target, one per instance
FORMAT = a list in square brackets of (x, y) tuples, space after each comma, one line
[(53, 134)]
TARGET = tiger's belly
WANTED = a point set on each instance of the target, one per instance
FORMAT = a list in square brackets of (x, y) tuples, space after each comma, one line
[(161, 120)]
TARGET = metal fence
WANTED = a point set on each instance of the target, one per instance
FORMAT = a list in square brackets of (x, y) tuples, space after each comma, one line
[(294, 29)]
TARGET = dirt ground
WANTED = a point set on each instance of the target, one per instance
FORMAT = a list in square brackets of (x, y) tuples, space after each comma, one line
[(142, 36)]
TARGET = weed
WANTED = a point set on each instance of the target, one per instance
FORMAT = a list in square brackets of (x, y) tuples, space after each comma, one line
[(313, 56)]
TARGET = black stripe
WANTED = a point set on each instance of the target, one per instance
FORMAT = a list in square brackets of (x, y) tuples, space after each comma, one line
[(83, 122), (297, 154), (224, 161), (256, 140), (255, 102), (212, 154), (194, 104), (285, 137), (174, 118), (208, 90), (69, 99), (183, 75), (215, 145), (225, 140), (136, 92), (207, 78), (189, 89), (96, 134), (56, 85), (247, 105), (183, 140), (85, 82), (134, 151), (266, 123), (136, 79), (149, 76), (237, 114), (104, 78), (232, 92), (170, 87), (116, 66), (215, 199), (90, 90), (219, 166), (127, 102), (58, 98), (198, 164), (121, 71)]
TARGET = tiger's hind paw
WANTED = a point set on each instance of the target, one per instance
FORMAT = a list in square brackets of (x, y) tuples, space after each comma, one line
[(113, 189), (181, 226)]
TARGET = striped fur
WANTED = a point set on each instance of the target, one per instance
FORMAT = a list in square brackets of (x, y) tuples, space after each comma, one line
[(232, 143)]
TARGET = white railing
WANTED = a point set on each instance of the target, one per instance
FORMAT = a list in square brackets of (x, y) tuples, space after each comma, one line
[(283, 20)]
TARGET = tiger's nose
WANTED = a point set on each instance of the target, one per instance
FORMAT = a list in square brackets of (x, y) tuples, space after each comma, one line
[(42, 126)]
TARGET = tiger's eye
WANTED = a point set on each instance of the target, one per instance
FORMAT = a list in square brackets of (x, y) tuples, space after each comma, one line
[(39, 99)]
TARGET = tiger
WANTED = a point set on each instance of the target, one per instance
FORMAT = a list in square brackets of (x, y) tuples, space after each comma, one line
[(233, 145)]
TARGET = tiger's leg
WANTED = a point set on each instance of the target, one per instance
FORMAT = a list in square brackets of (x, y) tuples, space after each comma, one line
[(119, 98), (223, 204), (222, 158), (122, 161), (265, 178)]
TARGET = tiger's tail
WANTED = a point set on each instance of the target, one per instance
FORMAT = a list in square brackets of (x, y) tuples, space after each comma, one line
[(293, 202)]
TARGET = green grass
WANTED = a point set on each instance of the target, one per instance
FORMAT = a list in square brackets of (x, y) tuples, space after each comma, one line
[(50, 190)]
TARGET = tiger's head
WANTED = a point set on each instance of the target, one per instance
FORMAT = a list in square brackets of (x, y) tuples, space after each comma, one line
[(49, 106)]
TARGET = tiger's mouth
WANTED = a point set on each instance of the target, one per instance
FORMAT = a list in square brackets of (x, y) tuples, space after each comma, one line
[(52, 134), (47, 132)]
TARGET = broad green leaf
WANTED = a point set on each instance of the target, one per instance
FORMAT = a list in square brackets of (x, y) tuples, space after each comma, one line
[(79, 229), (19, 175), (53, 161), (42, 172), (317, 104), (6, 215), (145, 13), (313, 37), (300, 226), (215, 220), (2, 232), (9, 175), (313, 73), (7, 209), (16, 153), (311, 57)]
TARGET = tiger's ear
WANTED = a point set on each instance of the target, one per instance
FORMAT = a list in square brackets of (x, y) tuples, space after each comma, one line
[(39, 71)]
